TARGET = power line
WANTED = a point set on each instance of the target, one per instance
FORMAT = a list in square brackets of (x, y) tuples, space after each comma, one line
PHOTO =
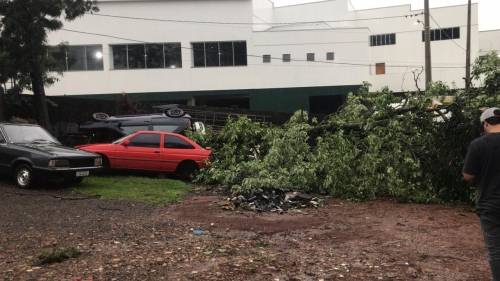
[(453, 40), (248, 23), (275, 23), (259, 56)]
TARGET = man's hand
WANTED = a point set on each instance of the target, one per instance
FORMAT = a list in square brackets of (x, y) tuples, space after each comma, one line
[(468, 177)]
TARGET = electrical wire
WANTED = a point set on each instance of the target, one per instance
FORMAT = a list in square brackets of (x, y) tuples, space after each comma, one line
[(259, 56), (452, 40), (248, 23)]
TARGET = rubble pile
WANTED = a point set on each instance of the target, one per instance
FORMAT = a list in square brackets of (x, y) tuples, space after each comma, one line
[(275, 201)]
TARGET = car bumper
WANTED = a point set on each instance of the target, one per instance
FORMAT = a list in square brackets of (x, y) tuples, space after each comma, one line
[(63, 173)]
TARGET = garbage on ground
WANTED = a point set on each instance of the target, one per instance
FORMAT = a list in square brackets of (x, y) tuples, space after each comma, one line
[(198, 232), (275, 201)]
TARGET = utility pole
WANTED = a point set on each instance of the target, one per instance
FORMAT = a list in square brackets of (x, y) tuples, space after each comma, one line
[(467, 56), (427, 37)]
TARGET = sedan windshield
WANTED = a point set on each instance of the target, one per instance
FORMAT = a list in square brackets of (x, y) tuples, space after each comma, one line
[(28, 134)]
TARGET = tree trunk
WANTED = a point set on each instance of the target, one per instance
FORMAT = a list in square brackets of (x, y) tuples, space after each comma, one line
[(40, 102)]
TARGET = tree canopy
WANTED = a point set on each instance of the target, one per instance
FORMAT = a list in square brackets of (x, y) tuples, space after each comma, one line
[(24, 55)]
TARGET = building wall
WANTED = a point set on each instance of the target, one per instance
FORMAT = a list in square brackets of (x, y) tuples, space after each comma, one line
[(489, 40), (327, 26), (448, 56), (255, 75)]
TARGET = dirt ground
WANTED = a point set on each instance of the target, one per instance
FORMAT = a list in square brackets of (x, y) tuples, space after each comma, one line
[(379, 240)]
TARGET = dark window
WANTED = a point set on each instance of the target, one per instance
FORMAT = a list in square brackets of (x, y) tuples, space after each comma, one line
[(240, 53), (310, 56), (76, 58), (199, 54), (128, 130), (446, 34), (94, 58), (380, 68), (2, 139), (212, 53), (166, 128), (173, 55), (383, 39), (456, 32), (392, 37), (154, 56), (437, 35), (226, 54), (266, 58), (146, 140), (330, 56), (119, 56), (443, 34), (136, 56), (176, 142), (219, 54), (286, 58), (57, 57)]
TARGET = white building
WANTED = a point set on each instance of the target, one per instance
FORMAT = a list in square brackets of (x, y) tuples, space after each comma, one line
[(254, 55)]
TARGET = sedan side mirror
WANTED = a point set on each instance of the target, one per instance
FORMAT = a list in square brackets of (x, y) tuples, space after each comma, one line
[(125, 143)]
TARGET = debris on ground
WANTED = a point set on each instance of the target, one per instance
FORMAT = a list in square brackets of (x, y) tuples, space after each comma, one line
[(57, 255), (275, 201)]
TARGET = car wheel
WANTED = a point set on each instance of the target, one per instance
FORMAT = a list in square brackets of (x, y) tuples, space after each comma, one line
[(23, 176), (186, 170)]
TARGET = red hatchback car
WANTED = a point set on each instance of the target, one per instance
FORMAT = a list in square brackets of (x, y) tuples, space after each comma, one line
[(153, 151)]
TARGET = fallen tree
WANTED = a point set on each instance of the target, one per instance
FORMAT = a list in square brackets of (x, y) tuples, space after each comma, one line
[(409, 146)]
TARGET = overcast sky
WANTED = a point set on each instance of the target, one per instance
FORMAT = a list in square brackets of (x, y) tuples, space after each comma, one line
[(489, 17)]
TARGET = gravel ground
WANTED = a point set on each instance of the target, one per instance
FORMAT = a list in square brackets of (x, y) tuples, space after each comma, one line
[(379, 240)]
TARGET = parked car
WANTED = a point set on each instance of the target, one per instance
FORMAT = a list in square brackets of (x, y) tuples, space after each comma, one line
[(29, 153), (105, 128), (153, 151)]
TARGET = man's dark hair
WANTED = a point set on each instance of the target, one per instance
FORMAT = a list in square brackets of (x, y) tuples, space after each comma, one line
[(495, 120)]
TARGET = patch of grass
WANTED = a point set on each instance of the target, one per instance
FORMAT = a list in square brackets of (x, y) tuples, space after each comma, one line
[(57, 255), (140, 189)]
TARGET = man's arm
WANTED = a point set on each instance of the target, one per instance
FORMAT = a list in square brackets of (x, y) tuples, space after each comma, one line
[(468, 177), (472, 165)]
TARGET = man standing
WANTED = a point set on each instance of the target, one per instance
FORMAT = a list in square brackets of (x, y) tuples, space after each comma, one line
[(482, 167)]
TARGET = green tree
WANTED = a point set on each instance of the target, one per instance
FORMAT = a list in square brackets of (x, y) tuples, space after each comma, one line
[(23, 42)]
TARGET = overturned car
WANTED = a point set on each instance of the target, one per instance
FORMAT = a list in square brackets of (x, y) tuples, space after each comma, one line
[(106, 129)]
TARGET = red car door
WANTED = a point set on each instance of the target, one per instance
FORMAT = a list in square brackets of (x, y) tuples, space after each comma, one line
[(174, 151), (140, 152)]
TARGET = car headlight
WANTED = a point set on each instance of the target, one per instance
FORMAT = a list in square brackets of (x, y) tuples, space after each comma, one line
[(98, 162), (58, 163)]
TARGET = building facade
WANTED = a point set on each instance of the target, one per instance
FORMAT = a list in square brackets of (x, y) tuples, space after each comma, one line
[(253, 55)]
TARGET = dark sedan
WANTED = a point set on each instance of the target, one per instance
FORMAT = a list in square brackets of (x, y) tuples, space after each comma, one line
[(29, 154)]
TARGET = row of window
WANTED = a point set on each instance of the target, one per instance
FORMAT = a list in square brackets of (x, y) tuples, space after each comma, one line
[(77, 58), (383, 39), (436, 35), (207, 54), (154, 55), (288, 57), (443, 34), (139, 56)]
